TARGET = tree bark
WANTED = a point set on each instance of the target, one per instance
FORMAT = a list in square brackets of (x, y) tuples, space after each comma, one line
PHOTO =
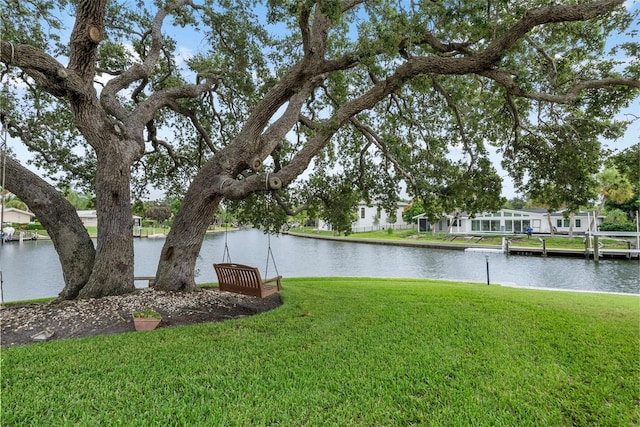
[(177, 264), (113, 268), (572, 217), (68, 234)]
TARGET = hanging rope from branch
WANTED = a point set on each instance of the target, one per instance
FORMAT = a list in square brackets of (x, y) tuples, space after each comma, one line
[(225, 254), (270, 255)]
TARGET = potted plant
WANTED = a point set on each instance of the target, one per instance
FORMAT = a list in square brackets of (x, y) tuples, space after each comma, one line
[(146, 320)]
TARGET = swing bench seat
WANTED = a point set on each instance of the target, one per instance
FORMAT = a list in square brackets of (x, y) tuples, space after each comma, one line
[(244, 279)]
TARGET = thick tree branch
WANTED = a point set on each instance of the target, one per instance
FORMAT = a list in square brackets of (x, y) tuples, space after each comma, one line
[(146, 110), (69, 236), (279, 129), (546, 15), (108, 96), (86, 34), (441, 47), (48, 74), (290, 83), (292, 88), (483, 62), (570, 96), (305, 31), (139, 89)]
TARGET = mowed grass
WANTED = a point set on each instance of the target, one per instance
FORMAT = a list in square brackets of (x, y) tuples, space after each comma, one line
[(410, 234), (345, 351)]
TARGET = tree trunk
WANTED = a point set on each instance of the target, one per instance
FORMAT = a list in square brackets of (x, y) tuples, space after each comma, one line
[(594, 222), (572, 219), (177, 264), (68, 234), (113, 268)]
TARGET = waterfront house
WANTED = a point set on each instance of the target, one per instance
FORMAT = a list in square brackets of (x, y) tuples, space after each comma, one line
[(511, 221), (17, 216), (88, 218), (374, 217)]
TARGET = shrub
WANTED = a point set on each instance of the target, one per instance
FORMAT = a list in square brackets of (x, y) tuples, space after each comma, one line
[(158, 213), (617, 226)]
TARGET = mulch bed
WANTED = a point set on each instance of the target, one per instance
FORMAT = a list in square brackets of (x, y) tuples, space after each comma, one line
[(31, 323)]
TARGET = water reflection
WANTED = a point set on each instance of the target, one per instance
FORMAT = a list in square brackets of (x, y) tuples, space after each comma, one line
[(32, 269)]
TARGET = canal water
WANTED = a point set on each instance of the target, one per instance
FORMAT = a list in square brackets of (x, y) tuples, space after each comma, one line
[(32, 270)]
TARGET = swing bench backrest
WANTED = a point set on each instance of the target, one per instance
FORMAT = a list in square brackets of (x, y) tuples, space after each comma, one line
[(245, 279)]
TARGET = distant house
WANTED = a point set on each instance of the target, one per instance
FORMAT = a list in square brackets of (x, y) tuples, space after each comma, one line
[(374, 217), (511, 221), (88, 218), (17, 216)]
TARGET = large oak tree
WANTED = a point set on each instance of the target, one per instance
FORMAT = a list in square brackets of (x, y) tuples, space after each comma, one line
[(363, 95)]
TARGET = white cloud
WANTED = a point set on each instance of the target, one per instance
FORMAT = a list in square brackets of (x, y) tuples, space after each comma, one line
[(184, 54)]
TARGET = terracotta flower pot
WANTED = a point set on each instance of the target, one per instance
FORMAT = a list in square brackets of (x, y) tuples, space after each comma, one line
[(146, 323)]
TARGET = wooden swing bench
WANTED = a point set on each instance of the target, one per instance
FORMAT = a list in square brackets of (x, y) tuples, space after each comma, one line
[(245, 280)]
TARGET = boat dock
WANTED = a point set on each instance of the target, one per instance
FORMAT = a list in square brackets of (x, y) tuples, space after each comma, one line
[(507, 247), (594, 248), (588, 253), (20, 236)]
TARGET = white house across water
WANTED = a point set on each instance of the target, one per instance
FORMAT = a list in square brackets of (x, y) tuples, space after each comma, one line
[(90, 219), (17, 216), (512, 221), (373, 217)]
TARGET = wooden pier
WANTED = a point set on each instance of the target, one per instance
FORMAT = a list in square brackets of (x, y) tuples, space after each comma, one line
[(21, 236), (593, 248)]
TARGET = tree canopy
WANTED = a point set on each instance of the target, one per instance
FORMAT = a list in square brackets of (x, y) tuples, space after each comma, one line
[(627, 163), (302, 104), (158, 213)]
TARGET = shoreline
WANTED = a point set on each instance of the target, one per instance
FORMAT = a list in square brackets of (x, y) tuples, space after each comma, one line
[(631, 255)]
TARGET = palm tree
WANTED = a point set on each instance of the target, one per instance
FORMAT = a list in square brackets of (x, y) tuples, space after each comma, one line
[(612, 186)]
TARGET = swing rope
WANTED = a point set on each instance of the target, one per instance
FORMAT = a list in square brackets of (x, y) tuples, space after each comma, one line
[(226, 258), (3, 160), (270, 254), (225, 254)]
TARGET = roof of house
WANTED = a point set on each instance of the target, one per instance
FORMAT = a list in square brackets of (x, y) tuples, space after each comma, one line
[(87, 214), (399, 204), (20, 211), (531, 211)]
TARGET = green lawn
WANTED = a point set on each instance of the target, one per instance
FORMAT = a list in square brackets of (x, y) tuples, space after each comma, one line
[(577, 242), (344, 351)]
